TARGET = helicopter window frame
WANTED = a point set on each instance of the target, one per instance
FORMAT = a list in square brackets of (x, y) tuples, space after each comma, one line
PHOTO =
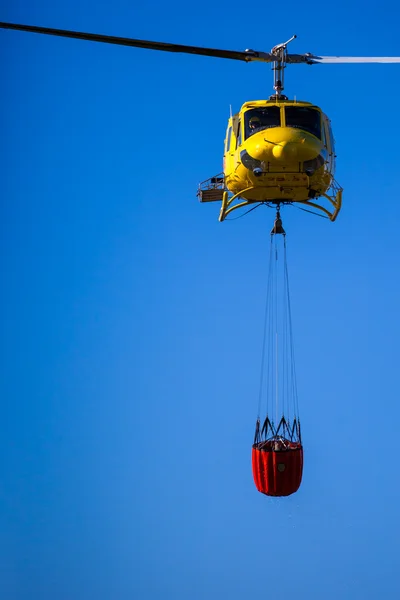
[(331, 144), (324, 132), (228, 139), (314, 128), (265, 114), (239, 134), (331, 137)]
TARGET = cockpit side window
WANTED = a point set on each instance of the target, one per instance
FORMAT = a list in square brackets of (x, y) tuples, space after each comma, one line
[(304, 118), (331, 137), (228, 139), (239, 134), (258, 119)]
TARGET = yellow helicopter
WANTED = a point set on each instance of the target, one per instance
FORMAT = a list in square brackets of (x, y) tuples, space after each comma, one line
[(277, 151)]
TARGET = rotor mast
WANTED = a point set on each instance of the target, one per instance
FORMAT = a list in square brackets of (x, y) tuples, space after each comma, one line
[(278, 67)]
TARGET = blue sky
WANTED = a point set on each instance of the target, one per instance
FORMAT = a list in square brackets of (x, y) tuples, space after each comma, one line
[(132, 319)]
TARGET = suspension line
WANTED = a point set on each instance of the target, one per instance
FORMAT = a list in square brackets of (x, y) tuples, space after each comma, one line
[(277, 354)]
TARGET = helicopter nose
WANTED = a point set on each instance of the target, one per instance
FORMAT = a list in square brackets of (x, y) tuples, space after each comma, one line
[(285, 151), (298, 150), (284, 145)]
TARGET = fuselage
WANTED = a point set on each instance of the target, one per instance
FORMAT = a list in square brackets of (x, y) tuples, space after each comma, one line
[(279, 150)]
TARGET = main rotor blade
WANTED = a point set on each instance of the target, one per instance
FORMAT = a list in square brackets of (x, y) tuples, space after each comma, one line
[(358, 59), (248, 55)]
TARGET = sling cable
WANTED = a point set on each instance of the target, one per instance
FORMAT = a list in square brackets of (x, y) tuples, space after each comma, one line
[(277, 451)]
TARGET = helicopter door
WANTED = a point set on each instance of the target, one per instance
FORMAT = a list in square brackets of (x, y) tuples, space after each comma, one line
[(236, 133), (232, 135), (327, 138), (239, 134), (231, 143), (228, 139), (331, 146)]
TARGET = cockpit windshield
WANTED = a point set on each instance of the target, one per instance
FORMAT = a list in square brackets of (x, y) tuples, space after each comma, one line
[(304, 118), (258, 119)]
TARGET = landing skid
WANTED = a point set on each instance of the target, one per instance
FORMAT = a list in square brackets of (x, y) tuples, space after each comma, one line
[(214, 190)]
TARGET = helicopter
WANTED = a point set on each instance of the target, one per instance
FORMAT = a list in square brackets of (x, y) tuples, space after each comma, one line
[(276, 151)]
